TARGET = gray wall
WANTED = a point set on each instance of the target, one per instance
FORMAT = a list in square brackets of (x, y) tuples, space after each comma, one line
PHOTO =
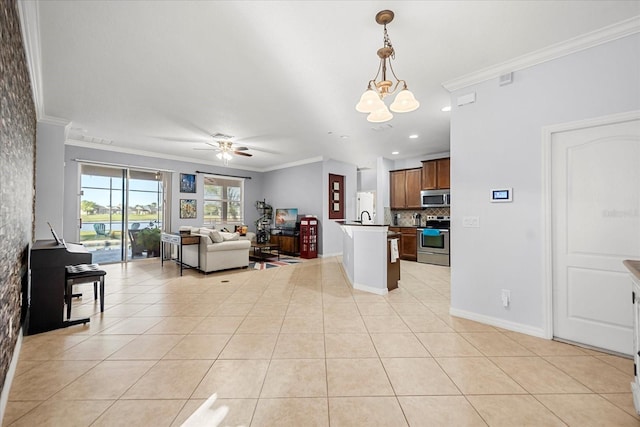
[(497, 142), (17, 157), (49, 179), (306, 187), (296, 187), (367, 180)]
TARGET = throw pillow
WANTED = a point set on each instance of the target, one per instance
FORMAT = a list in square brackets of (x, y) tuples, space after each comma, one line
[(216, 236), (230, 236)]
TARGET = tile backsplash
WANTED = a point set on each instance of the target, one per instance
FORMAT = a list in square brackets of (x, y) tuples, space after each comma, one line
[(406, 216)]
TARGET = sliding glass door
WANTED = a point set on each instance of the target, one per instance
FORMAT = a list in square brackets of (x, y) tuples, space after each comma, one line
[(121, 213)]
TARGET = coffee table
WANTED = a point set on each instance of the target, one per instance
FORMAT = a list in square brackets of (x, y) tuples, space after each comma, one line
[(263, 251)]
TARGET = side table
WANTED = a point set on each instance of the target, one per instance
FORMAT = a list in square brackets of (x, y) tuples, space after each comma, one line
[(179, 240)]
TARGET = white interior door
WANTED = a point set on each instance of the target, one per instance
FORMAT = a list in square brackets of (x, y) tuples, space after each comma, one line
[(596, 225)]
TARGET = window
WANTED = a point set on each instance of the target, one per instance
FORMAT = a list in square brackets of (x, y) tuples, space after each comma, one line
[(223, 200)]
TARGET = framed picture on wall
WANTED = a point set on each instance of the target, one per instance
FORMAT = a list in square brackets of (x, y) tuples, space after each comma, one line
[(187, 183), (188, 208), (336, 196)]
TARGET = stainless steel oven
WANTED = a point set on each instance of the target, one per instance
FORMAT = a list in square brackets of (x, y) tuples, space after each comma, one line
[(434, 240)]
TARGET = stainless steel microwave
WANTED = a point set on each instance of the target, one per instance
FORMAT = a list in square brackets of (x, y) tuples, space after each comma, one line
[(435, 198)]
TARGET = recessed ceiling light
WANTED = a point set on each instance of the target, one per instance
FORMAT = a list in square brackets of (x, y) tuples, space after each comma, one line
[(395, 152), (447, 108), (414, 136)]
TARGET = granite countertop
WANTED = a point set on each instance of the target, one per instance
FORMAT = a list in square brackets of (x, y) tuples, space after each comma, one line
[(633, 266)]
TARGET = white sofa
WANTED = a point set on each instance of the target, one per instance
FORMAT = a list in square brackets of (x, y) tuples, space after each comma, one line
[(220, 255)]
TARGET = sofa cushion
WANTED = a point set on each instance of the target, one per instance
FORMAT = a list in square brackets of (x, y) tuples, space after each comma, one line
[(216, 236), (229, 236), (229, 246)]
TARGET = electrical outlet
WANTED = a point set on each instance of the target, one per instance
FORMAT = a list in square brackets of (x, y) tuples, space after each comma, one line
[(471, 222), (506, 297)]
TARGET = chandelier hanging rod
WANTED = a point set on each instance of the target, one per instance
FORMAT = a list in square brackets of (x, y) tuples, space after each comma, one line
[(371, 100)]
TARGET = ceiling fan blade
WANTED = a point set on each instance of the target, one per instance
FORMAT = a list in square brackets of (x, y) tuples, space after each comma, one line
[(240, 153), (240, 148)]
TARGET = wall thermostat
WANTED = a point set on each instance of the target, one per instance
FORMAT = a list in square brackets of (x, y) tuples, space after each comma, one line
[(502, 195)]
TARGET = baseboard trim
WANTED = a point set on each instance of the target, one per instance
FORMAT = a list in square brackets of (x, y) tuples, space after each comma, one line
[(4, 395), (500, 323), (371, 289), (329, 255)]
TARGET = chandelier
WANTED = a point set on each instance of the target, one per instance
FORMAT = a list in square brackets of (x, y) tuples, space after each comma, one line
[(371, 100)]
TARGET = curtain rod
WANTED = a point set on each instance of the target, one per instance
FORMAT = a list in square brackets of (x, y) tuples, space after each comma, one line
[(94, 162), (221, 174)]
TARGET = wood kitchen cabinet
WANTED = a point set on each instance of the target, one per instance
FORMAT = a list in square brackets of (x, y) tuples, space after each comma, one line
[(435, 174), (405, 188), (407, 246)]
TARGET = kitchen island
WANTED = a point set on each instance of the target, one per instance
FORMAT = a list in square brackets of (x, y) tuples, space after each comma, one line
[(366, 257)]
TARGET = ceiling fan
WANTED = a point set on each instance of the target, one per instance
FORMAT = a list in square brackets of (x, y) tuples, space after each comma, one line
[(226, 150)]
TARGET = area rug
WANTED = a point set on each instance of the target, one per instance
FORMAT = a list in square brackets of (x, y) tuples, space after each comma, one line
[(273, 263)]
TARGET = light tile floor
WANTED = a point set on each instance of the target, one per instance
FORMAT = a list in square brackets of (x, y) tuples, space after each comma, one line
[(296, 346)]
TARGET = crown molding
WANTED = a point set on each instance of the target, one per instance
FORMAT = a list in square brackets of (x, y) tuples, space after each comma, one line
[(50, 120), (594, 38), (296, 163), (30, 27)]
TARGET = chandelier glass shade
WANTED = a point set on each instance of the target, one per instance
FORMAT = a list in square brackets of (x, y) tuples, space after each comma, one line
[(372, 100)]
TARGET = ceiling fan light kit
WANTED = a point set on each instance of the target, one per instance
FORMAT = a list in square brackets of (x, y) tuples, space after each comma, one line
[(371, 100), (226, 151)]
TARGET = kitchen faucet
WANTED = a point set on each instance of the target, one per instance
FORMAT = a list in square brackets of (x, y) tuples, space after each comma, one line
[(368, 214)]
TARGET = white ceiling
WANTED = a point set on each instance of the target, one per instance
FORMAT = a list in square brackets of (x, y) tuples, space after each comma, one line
[(281, 77)]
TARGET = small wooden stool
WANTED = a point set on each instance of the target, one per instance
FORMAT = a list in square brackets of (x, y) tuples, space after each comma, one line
[(83, 273)]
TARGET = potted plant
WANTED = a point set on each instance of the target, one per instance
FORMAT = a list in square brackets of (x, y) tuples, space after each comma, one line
[(150, 239)]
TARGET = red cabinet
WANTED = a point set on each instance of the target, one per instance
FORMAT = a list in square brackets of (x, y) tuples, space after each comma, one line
[(309, 237)]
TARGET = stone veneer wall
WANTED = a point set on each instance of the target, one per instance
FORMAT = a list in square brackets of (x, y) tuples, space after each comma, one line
[(17, 183)]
